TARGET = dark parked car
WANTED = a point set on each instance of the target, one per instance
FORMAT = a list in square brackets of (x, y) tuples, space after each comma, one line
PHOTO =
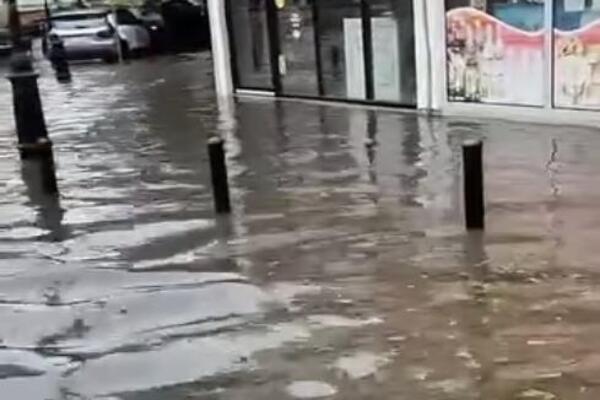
[(186, 24), (155, 25)]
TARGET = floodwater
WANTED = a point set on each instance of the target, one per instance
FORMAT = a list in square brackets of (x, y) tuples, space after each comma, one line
[(344, 271)]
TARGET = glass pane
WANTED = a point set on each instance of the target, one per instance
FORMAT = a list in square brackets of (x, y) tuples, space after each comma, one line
[(495, 51), (342, 57), (577, 53), (392, 35), (251, 41), (297, 61)]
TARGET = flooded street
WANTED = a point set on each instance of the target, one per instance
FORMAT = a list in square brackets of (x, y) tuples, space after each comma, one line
[(344, 271)]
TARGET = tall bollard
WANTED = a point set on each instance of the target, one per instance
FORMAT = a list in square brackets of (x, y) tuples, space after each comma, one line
[(27, 105), (29, 116), (58, 58), (473, 184), (218, 170)]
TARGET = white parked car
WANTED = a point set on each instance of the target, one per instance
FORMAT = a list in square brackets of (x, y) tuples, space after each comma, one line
[(86, 34), (135, 38)]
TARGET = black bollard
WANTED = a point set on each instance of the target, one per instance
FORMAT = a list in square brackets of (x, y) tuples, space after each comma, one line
[(218, 169), (29, 116), (473, 184), (58, 58)]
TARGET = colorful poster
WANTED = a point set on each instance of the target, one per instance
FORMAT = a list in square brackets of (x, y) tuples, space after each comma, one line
[(490, 61), (577, 66)]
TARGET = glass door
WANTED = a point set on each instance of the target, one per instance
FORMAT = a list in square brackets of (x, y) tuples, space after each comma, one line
[(298, 58), (251, 44), (392, 48), (340, 42)]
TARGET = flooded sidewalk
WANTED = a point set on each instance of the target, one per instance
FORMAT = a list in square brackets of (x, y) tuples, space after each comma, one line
[(344, 271)]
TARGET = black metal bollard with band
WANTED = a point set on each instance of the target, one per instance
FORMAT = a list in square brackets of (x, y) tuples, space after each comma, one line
[(218, 169), (29, 116), (473, 184), (27, 105), (58, 58)]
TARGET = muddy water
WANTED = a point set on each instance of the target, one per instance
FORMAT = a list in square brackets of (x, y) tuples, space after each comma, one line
[(343, 273)]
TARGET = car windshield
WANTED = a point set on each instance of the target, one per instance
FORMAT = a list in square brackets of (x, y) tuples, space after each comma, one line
[(79, 21)]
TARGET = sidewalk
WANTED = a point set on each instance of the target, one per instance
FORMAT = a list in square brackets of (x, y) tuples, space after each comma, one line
[(344, 271)]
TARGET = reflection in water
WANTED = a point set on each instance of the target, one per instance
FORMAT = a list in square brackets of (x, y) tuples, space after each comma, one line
[(40, 180), (371, 144)]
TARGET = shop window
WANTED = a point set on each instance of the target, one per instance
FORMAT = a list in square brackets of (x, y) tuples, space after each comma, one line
[(577, 53), (393, 43), (341, 47), (248, 23), (495, 51)]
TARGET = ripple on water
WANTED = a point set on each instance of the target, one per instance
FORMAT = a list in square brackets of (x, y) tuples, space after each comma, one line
[(180, 361)]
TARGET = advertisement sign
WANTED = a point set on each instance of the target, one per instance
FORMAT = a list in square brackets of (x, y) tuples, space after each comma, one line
[(490, 61), (577, 67)]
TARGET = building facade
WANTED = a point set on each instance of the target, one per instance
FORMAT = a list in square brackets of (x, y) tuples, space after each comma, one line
[(522, 58)]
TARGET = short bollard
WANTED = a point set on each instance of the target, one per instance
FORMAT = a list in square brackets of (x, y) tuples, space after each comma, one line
[(58, 57), (218, 170), (473, 184)]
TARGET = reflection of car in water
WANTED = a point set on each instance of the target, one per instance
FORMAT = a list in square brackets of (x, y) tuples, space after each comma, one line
[(86, 34)]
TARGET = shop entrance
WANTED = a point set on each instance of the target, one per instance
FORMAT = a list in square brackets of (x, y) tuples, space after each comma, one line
[(357, 50), (297, 57)]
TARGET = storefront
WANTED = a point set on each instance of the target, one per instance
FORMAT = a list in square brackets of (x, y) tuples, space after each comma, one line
[(540, 53), (351, 50), (482, 57)]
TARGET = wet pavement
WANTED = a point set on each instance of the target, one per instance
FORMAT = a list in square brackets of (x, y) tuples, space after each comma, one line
[(343, 273)]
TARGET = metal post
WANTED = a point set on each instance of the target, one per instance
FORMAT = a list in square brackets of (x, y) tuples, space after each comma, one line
[(367, 39), (58, 57), (58, 53), (473, 184), (29, 116), (14, 22), (218, 169)]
